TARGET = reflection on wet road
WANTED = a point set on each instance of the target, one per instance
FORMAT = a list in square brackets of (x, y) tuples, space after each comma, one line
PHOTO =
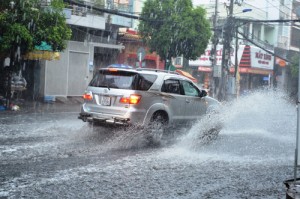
[(52, 154)]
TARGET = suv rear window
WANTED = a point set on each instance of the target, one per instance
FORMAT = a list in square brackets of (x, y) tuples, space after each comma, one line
[(123, 80)]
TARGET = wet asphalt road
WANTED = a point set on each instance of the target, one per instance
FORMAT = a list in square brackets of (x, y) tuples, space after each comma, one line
[(46, 152)]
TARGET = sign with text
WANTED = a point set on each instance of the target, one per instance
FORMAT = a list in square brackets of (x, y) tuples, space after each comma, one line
[(261, 59), (204, 60)]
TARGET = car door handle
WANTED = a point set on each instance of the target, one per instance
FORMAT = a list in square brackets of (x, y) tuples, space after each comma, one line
[(188, 101)]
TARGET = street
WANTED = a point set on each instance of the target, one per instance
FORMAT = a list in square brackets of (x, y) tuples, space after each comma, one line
[(46, 152)]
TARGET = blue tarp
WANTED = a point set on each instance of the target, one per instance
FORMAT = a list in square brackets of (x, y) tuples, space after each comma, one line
[(43, 46)]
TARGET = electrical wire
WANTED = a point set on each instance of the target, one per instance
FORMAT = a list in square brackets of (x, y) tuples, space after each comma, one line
[(257, 45)]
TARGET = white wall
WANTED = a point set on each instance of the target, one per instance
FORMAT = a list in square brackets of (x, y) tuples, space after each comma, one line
[(68, 76)]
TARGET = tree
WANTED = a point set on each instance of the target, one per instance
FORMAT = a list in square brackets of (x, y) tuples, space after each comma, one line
[(174, 28), (26, 23), (294, 65)]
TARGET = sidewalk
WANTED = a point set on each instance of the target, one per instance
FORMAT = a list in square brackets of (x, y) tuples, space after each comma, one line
[(70, 104)]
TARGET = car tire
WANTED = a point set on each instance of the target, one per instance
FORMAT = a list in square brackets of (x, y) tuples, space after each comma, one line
[(156, 128)]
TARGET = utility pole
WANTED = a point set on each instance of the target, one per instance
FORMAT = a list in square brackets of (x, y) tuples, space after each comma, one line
[(226, 53), (214, 78), (236, 64)]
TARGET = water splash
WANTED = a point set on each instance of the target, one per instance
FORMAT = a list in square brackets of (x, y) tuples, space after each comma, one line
[(128, 138), (259, 126)]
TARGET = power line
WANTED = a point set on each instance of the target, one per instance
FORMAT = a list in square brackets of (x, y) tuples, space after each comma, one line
[(257, 45), (267, 21), (110, 11)]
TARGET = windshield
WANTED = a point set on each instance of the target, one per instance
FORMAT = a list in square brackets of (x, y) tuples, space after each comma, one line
[(123, 80)]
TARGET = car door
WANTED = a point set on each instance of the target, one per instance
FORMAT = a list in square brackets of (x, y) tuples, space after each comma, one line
[(195, 106), (173, 99)]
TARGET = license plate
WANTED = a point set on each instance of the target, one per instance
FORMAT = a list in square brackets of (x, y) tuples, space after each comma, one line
[(105, 101)]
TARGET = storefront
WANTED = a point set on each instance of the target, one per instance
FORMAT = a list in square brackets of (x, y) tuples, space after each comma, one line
[(255, 67), (135, 53), (202, 67)]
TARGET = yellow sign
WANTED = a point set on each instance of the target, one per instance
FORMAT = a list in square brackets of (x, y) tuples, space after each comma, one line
[(40, 54)]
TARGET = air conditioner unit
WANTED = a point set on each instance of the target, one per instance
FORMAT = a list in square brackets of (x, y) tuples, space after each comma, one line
[(178, 61)]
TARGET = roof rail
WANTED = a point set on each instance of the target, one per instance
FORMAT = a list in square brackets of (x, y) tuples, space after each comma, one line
[(157, 70)]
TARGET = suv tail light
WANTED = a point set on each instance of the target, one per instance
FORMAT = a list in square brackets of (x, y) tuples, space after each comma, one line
[(132, 99), (88, 96)]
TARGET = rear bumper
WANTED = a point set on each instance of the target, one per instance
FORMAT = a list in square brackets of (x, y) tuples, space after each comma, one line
[(131, 116), (88, 117)]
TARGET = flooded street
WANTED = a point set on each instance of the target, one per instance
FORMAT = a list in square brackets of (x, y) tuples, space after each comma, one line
[(49, 153)]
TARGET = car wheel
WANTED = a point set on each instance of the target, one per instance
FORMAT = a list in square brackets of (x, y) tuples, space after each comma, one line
[(156, 128)]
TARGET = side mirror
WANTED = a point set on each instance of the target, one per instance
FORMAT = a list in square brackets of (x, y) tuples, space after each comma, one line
[(203, 93)]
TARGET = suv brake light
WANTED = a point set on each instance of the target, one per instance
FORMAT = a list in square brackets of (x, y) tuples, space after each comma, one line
[(88, 96), (113, 70), (132, 99)]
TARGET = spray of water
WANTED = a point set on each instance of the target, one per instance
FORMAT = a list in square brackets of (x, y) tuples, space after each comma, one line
[(128, 138), (260, 125)]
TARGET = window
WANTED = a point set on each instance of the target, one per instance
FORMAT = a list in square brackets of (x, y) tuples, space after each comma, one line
[(112, 80), (144, 82), (123, 80), (190, 89), (171, 86)]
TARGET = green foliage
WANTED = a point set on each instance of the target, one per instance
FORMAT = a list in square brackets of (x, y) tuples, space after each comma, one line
[(174, 28), (16, 33), (56, 34), (294, 65), (27, 24), (99, 3)]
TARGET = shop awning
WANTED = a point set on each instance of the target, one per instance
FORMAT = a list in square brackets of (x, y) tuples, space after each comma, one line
[(43, 51), (147, 56), (204, 69), (257, 71), (130, 36), (186, 74), (42, 54), (246, 57)]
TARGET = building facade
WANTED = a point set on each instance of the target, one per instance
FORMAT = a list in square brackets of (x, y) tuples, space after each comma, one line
[(93, 45), (135, 53), (257, 44), (98, 41)]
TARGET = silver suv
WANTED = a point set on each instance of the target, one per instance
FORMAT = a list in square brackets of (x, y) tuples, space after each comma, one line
[(142, 97)]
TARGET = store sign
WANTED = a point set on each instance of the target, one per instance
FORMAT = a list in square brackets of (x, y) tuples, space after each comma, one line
[(280, 62), (261, 59), (204, 60)]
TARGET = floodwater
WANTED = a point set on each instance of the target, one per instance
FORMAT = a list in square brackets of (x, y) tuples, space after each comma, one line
[(52, 154)]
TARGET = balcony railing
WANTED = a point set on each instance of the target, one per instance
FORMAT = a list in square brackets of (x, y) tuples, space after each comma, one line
[(99, 39), (85, 37), (83, 11), (261, 43)]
